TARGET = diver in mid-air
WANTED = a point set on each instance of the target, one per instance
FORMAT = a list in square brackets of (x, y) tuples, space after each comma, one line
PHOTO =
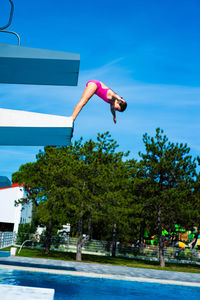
[(116, 102)]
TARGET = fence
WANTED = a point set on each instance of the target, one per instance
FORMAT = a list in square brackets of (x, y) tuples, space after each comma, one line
[(6, 239), (91, 246), (150, 252)]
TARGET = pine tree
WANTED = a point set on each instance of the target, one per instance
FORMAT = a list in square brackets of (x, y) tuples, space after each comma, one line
[(168, 178)]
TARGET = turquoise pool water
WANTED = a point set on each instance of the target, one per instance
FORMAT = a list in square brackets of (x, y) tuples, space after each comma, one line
[(4, 253), (73, 287)]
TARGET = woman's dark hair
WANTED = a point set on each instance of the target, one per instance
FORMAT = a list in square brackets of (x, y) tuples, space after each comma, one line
[(123, 105)]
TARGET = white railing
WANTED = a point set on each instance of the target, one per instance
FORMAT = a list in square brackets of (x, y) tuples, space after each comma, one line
[(6, 239)]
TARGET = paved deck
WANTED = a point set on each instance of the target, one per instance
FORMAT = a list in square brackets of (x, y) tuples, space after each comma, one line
[(99, 270)]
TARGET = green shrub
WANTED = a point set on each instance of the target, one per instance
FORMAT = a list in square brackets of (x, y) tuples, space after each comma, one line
[(169, 252), (24, 232)]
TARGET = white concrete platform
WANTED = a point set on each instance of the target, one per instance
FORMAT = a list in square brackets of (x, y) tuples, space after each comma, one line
[(13, 292), (22, 128), (24, 65)]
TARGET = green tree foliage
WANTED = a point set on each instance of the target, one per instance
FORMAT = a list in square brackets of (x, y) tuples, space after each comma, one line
[(79, 184), (167, 177), (24, 232), (40, 180), (194, 210), (104, 195)]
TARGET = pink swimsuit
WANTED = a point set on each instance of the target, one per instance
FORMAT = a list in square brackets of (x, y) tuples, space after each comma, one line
[(102, 93)]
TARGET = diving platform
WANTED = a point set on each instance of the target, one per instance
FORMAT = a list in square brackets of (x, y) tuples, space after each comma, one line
[(9, 292), (23, 128), (24, 65)]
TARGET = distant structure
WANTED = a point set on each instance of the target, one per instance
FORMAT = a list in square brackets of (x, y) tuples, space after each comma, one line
[(4, 182), (10, 215)]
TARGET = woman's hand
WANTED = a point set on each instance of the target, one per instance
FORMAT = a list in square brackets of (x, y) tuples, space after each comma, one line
[(113, 113)]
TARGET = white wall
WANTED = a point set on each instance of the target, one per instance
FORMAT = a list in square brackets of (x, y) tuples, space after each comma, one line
[(26, 213), (9, 213)]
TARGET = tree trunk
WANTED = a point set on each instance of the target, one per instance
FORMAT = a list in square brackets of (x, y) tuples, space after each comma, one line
[(80, 231), (81, 240), (170, 238), (195, 240), (79, 243), (48, 237), (114, 243), (142, 226), (161, 250)]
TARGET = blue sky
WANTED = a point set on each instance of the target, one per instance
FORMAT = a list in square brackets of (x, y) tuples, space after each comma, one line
[(146, 50)]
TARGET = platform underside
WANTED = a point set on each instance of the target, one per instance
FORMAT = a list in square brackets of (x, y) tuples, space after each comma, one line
[(23, 65)]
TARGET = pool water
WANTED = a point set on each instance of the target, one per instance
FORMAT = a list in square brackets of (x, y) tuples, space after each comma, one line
[(73, 287), (4, 253)]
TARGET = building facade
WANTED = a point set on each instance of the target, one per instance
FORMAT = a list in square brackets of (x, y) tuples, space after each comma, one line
[(10, 214)]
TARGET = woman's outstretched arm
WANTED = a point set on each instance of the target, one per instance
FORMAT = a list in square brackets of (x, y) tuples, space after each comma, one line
[(87, 94), (113, 113)]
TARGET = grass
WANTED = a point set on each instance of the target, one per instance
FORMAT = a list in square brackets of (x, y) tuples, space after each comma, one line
[(6, 249), (117, 261)]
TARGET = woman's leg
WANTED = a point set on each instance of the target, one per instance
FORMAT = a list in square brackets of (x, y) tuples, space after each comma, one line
[(87, 94)]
